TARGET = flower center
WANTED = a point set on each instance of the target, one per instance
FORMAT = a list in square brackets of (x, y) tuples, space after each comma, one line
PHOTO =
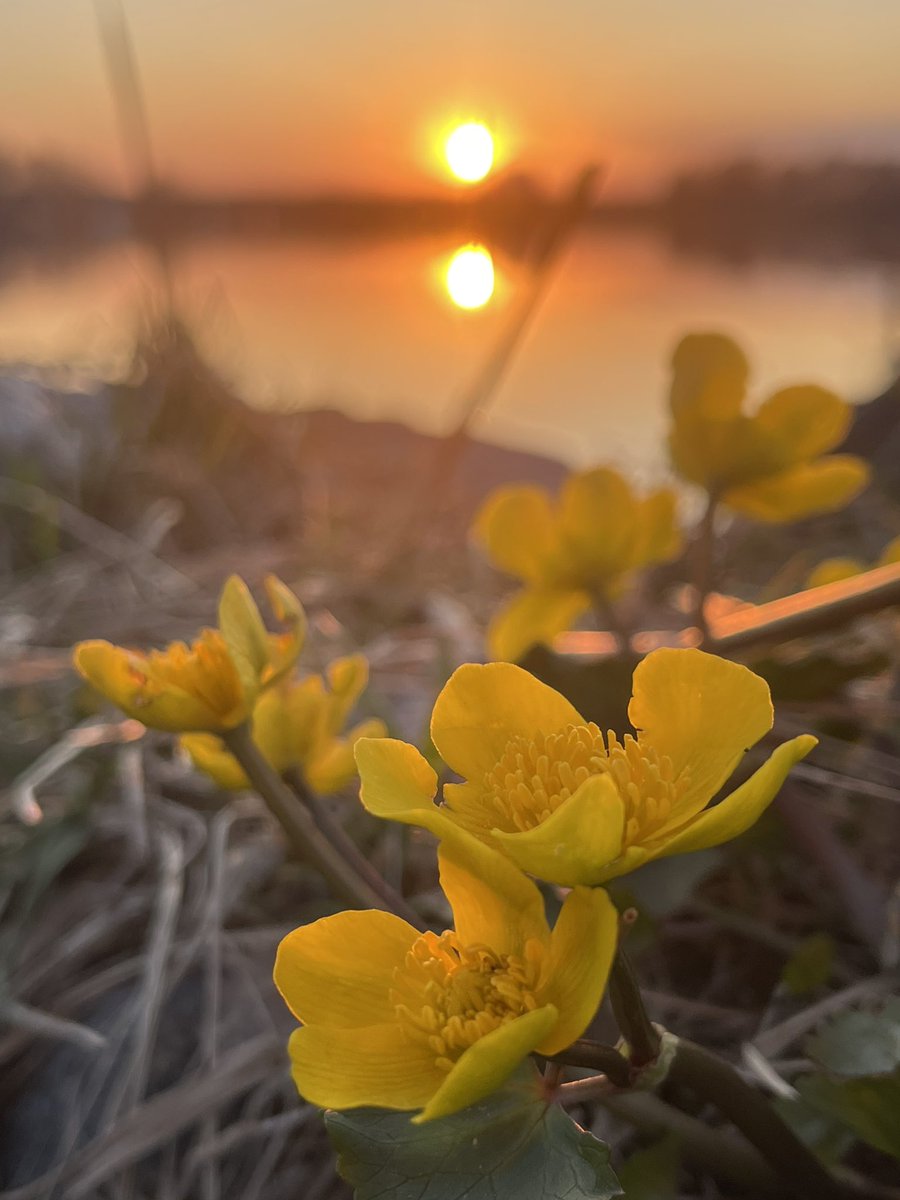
[(534, 776), (203, 669), (448, 996)]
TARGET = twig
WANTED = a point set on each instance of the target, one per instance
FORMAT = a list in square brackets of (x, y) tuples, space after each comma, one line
[(704, 557), (46, 1025), (586, 1053)]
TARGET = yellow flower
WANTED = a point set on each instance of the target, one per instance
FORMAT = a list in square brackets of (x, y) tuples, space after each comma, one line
[(833, 570), (769, 466), (568, 804), (570, 554), (297, 724), (396, 1018), (211, 684)]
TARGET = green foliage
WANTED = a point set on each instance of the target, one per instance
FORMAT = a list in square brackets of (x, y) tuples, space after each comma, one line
[(810, 965), (859, 1083), (513, 1144), (652, 1173)]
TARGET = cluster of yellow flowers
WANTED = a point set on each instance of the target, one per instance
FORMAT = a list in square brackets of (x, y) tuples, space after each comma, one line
[(584, 548), (397, 1018)]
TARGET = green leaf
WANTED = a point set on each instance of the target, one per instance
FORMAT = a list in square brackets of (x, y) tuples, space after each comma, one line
[(511, 1145), (859, 1043), (652, 1173), (828, 1137), (868, 1106), (810, 964)]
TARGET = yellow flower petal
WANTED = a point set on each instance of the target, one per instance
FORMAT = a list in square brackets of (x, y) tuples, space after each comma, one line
[(209, 755), (397, 783), (575, 843), (701, 711), (657, 536), (375, 1065), (582, 947), (516, 527), (124, 678), (489, 1062), (598, 515), (806, 420), (482, 707), (709, 376), (338, 971), (492, 901), (737, 812), (245, 634), (816, 487), (533, 617), (333, 766), (833, 570), (284, 648)]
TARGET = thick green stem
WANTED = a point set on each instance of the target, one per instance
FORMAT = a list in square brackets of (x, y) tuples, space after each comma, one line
[(350, 852), (717, 1082), (304, 835), (628, 1006)]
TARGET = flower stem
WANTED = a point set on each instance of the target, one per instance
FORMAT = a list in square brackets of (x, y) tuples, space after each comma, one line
[(349, 851), (704, 563), (628, 1006), (302, 832), (586, 1053), (717, 1082)]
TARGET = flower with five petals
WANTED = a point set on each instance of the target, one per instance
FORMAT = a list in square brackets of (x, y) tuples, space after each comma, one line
[(395, 1018), (577, 552), (773, 466), (566, 803)]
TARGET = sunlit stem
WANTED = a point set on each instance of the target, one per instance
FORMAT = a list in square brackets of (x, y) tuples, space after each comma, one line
[(307, 840), (631, 1015), (348, 849), (704, 562)]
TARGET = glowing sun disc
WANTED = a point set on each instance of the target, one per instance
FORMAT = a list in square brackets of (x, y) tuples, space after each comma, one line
[(470, 151), (470, 277)]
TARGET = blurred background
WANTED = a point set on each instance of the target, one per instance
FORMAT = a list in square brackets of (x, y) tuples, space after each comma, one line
[(291, 161)]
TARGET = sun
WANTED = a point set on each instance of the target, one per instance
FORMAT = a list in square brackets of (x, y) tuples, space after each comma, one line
[(470, 277), (470, 151)]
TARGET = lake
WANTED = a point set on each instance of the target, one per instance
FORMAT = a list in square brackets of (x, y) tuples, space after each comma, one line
[(367, 327)]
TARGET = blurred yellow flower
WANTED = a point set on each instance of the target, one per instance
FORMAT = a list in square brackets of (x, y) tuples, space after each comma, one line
[(297, 724), (833, 570), (212, 684), (769, 466), (577, 552), (567, 804), (400, 1019)]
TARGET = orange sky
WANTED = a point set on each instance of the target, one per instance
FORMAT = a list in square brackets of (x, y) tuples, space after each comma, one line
[(255, 95)]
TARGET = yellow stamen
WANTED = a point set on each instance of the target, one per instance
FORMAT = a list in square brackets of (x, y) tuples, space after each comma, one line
[(448, 996), (534, 776)]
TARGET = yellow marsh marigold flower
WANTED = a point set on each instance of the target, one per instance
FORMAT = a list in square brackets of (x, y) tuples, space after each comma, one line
[(768, 466), (297, 724), (568, 804), (400, 1019), (833, 570), (584, 547), (211, 684)]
